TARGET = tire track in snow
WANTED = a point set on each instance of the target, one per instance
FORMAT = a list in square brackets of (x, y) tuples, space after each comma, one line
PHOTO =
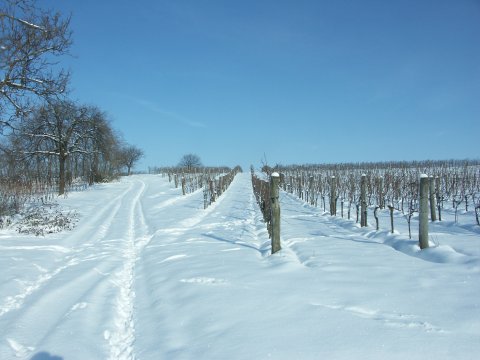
[(106, 265), (233, 223), (102, 220), (114, 240), (122, 338), (112, 208), (248, 223), (16, 302)]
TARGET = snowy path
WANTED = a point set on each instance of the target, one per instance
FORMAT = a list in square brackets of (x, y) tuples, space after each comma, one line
[(149, 274)]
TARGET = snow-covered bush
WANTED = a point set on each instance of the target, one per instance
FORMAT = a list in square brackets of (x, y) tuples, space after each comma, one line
[(46, 219)]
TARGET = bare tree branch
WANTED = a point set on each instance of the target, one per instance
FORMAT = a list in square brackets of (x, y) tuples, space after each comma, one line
[(30, 41)]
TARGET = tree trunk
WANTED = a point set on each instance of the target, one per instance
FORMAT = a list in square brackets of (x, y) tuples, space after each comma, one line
[(409, 222), (93, 170), (61, 176)]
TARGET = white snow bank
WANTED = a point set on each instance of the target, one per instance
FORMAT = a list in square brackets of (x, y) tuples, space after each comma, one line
[(149, 274)]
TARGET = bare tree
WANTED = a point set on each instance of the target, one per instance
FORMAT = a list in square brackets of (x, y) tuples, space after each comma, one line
[(57, 130), (31, 39), (190, 161), (130, 154)]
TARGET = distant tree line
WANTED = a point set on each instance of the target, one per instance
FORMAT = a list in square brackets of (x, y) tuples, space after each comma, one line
[(189, 164), (47, 140)]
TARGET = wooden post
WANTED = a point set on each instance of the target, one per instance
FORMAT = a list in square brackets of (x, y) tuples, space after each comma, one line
[(220, 186), (433, 200), (183, 185), (212, 191), (333, 195), (311, 191), (390, 207), (205, 197), (439, 202), (275, 212), (423, 216), (300, 188), (363, 201), (381, 195)]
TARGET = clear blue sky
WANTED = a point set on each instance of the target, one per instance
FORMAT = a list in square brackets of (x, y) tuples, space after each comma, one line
[(301, 81)]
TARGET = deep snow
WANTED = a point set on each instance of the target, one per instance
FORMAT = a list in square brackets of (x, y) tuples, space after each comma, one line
[(149, 274)]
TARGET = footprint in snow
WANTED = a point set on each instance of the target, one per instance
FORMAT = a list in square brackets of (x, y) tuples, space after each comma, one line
[(204, 281), (78, 306), (20, 350), (81, 305), (174, 257)]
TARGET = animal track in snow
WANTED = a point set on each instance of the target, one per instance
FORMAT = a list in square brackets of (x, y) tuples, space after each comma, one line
[(390, 319)]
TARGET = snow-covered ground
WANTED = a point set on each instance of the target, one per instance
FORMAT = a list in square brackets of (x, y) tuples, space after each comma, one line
[(149, 274)]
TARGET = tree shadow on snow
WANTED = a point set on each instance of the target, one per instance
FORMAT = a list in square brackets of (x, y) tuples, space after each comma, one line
[(45, 356), (262, 251)]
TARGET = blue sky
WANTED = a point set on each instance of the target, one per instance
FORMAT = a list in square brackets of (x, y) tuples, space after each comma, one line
[(299, 81)]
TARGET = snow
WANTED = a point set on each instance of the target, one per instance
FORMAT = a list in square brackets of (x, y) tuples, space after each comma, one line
[(149, 274)]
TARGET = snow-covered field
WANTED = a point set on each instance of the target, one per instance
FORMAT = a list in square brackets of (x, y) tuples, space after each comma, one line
[(149, 274)]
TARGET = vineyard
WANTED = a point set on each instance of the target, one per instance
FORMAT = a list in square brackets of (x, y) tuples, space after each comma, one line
[(393, 185), (213, 181), (29, 194), (359, 191), (373, 188), (103, 259), (185, 263)]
